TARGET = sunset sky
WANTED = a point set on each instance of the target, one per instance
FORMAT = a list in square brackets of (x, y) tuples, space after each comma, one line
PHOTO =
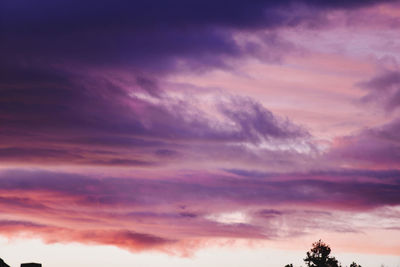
[(199, 133)]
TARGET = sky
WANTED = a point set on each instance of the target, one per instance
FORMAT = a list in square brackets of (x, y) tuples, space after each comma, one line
[(199, 133)]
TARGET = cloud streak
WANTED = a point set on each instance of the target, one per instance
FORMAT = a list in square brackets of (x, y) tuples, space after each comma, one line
[(110, 210)]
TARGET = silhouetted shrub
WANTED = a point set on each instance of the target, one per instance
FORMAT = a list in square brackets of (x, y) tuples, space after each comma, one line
[(318, 256)]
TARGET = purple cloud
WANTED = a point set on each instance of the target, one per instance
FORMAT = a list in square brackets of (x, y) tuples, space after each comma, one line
[(145, 35), (384, 90), (374, 147), (97, 121), (175, 210), (81, 95)]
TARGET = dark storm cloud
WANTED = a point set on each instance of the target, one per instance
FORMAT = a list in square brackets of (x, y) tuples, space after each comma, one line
[(150, 13), (143, 34)]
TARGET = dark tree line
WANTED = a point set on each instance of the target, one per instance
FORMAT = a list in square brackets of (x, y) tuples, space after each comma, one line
[(318, 256)]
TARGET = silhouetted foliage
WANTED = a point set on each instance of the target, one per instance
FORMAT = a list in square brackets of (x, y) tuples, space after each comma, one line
[(318, 256)]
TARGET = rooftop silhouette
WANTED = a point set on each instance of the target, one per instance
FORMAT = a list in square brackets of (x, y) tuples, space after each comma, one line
[(3, 264), (31, 264)]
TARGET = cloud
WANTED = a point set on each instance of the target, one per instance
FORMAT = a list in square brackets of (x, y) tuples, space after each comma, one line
[(112, 120), (384, 90), (376, 147), (53, 234), (258, 123), (87, 85), (121, 211), (145, 35), (92, 91)]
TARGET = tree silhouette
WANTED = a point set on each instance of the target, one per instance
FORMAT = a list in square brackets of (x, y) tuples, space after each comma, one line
[(318, 256)]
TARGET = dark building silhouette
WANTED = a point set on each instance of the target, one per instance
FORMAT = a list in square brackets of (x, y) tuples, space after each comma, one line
[(3, 264), (31, 264)]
